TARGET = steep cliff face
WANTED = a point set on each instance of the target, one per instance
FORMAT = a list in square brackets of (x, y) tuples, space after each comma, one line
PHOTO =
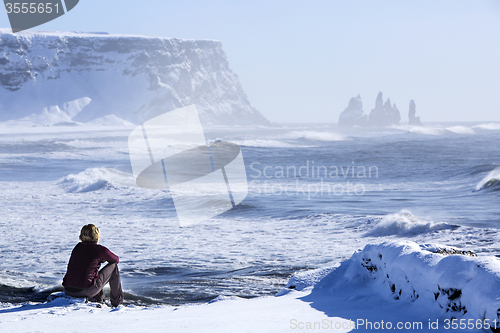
[(84, 76)]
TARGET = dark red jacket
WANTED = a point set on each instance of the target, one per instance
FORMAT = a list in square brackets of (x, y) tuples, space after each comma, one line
[(84, 264)]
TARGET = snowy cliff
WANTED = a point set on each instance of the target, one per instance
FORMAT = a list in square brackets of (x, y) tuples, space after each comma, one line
[(54, 77)]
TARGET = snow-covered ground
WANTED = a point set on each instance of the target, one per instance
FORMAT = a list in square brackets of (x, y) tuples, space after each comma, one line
[(384, 287)]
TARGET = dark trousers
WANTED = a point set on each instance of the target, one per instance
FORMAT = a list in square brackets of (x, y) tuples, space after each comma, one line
[(108, 273)]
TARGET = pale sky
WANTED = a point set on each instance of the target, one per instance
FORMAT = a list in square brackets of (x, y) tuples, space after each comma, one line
[(301, 61)]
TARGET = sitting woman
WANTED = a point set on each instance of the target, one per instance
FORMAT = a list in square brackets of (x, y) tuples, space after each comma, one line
[(83, 277)]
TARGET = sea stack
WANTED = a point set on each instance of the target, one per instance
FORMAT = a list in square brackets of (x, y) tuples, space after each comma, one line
[(353, 115), (412, 120), (384, 114)]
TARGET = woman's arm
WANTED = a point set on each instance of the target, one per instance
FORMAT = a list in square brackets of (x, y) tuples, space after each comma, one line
[(109, 256)]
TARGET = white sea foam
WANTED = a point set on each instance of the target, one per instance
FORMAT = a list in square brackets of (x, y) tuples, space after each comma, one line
[(288, 139), (94, 179), (424, 130), (405, 223), (79, 143), (460, 130), (264, 143), (489, 126), (436, 130), (315, 135)]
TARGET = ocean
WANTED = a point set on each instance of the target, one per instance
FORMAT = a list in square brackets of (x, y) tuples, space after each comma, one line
[(317, 193)]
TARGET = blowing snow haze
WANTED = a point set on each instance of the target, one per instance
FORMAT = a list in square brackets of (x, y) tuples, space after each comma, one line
[(57, 77)]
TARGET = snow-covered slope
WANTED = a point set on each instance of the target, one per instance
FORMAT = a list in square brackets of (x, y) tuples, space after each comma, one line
[(427, 281), (51, 77)]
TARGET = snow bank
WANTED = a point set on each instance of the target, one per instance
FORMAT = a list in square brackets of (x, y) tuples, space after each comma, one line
[(263, 314), (411, 279), (94, 179)]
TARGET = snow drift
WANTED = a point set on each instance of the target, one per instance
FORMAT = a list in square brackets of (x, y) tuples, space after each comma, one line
[(438, 280)]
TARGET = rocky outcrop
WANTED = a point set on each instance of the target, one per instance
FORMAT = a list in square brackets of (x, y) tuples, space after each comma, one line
[(353, 115), (384, 114), (412, 120), (133, 77)]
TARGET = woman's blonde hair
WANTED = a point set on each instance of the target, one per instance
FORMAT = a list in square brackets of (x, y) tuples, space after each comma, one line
[(90, 233)]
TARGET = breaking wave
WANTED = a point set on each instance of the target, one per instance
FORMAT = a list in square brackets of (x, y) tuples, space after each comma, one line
[(321, 136), (314, 135), (421, 130), (265, 143), (490, 182), (94, 179), (439, 130), (489, 126), (292, 139), (460, 130), (405, 223)]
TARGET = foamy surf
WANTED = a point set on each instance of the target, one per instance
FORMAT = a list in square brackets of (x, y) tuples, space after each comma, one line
[(266, 143), (422, 130), (460, 130), (315, 136), (94, 179), (405, 223), (439, 130), (489, 126)]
